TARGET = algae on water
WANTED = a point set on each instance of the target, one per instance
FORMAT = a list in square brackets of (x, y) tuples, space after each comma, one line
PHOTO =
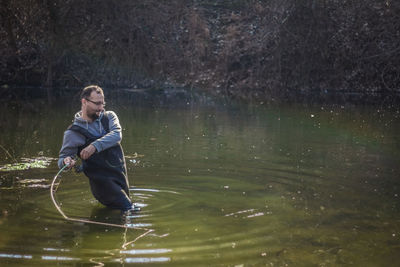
[(27, 163)]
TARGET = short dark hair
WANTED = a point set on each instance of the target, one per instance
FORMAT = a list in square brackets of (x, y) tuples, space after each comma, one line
[(89, 89)]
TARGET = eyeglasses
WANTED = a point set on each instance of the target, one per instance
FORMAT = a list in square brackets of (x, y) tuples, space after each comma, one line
[(97, 103)]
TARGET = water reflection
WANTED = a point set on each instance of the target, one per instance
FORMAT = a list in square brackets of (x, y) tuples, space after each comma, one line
[(216, 186), (58, 258), (147, 260), (146, 251), (15, 256)]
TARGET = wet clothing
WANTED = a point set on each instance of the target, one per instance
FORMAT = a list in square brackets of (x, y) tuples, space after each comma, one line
[(106, 168)]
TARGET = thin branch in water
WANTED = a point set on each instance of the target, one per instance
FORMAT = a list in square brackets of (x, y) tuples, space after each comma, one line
[(8, 153)]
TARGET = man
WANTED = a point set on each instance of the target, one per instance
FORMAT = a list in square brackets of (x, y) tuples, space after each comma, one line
[(95, 137)]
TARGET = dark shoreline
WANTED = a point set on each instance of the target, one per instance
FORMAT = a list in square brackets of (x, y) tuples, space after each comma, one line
[(183, 96)]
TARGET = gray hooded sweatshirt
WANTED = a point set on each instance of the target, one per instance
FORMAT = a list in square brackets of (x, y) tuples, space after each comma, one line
[(73, 140)]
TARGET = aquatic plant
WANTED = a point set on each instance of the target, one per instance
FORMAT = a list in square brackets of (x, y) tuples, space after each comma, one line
[(28, 163)]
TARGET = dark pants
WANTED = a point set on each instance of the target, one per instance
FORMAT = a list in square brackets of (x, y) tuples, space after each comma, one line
[(108, 179)]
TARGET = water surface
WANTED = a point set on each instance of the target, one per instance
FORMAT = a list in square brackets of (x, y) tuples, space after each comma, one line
[(218, 185)]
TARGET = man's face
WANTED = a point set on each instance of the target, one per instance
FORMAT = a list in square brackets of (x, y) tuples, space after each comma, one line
[(94, 105)]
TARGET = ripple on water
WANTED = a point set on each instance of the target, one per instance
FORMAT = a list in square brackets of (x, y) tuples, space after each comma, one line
[(210, 219)]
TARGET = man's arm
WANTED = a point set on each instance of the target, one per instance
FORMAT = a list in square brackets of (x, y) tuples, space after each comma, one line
[(113, 137), (69, 149)]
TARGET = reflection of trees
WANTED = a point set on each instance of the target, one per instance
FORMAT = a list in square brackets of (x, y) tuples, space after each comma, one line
[(239, 48)]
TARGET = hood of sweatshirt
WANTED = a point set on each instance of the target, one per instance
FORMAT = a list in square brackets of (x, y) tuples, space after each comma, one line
[(94, 127)]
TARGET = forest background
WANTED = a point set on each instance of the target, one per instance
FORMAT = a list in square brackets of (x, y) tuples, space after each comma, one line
[(239, 49)]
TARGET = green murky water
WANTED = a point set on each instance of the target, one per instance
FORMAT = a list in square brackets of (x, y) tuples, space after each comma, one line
[(218, 186)]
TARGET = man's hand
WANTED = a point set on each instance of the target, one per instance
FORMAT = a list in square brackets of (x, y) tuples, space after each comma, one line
[(70, 161), (87, 152)]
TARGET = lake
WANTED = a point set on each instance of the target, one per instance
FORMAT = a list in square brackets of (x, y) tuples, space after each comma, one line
[(218, 185)]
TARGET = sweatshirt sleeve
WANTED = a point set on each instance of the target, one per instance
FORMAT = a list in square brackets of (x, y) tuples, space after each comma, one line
[(113, 137), (71, 142)]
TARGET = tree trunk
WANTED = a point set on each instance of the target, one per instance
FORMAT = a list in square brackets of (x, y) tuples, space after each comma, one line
[(7, 16), (49, 82)]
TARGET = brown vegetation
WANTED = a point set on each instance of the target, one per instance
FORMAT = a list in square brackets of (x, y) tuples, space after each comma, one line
[(242, 49)]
